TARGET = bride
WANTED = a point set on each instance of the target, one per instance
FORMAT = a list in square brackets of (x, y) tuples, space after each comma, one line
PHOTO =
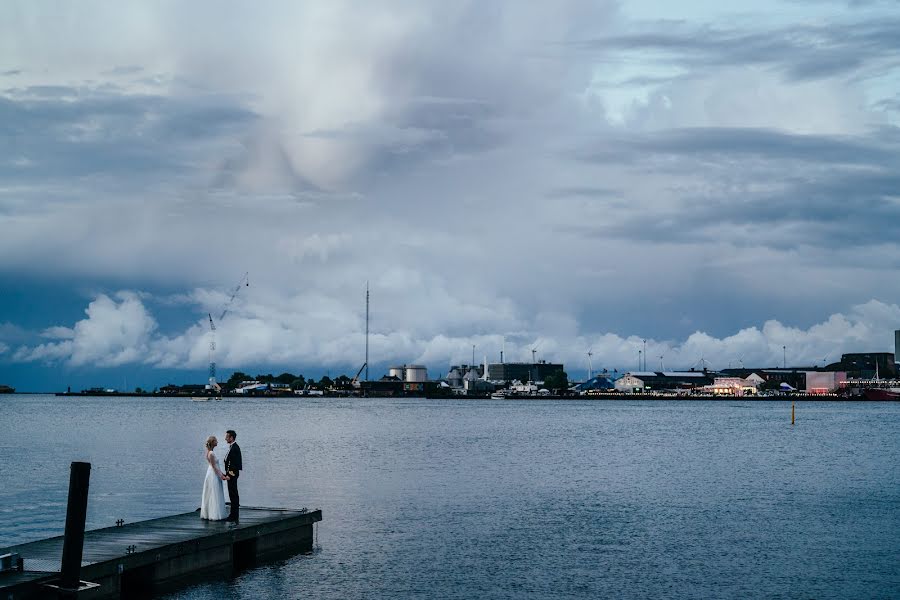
[(212, 503)]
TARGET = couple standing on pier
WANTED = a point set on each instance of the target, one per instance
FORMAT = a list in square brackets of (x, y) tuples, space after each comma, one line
[(212, 503)]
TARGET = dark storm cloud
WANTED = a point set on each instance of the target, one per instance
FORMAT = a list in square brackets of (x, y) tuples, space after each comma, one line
[(801, 51), (832, 191), (436, 129), (58, 132), (847, 3), (844, 209), (730, 143), (124, 70), (464, 125), (282, 177), (726, 141), (889, 104), (586, 192)]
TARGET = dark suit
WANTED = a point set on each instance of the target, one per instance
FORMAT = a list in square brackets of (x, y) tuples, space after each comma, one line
[(233, 466)]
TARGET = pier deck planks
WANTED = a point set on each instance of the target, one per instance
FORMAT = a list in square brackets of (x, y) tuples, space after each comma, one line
[(154, 541)]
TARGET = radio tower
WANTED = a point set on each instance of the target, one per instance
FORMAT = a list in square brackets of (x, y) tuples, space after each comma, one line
[(367, 331)]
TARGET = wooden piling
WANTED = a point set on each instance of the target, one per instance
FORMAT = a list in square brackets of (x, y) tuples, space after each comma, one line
[(76, 516)]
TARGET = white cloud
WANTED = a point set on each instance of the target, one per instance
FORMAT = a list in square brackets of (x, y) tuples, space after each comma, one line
[(753, 97), (114, 333), (58, 333), (314, 331)]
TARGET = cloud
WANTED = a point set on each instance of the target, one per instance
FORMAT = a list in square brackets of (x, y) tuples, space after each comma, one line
[(58, 333), (114, 333), (10, 332), (90, 132), (801, 52), (314, 331), (515, 171)]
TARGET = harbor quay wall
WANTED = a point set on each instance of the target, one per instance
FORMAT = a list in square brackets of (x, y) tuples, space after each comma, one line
[(484, 396)]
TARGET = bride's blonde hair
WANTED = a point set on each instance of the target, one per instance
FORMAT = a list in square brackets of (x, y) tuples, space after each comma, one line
[(209, 442)]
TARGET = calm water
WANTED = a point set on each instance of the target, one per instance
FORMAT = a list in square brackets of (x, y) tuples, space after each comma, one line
[(459, 499)]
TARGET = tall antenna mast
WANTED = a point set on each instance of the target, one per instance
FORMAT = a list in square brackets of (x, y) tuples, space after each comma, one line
[(367, 330)]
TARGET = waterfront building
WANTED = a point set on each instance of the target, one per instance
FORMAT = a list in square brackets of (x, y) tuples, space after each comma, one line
[(598, 382), (457, 374), (474, 383), (252, 387), (866, 365), (183, 390), (733, 386), (660, 381), (755, 380), (522, 371), (795, 378), (455, 378), (824, 382), (630, 383), (897, 347)]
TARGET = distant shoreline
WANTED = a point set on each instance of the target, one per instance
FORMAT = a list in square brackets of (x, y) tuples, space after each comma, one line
[(591, 397)]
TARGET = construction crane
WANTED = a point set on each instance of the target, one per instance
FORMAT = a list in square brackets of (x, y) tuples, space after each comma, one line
[(590, 353), (212, 351), (355, 381), (244, 282)]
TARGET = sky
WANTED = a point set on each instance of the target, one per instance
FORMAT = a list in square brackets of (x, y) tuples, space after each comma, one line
[(718, 179)]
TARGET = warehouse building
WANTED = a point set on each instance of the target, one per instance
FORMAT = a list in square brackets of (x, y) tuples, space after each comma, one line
[(639, 382), (522, 371)]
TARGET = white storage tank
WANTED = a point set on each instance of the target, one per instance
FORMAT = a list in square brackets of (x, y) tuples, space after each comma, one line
[(416, 374), (396, 372)]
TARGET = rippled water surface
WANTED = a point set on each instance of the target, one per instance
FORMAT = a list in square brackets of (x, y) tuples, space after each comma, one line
[(496, 499)]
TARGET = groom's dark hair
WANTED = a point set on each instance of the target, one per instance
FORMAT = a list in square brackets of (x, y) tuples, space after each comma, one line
[(232, 433)]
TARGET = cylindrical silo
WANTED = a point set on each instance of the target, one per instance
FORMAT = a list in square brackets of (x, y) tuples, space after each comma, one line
[(416, 373)]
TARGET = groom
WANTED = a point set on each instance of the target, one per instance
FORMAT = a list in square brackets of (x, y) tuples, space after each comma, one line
[(233, 468)]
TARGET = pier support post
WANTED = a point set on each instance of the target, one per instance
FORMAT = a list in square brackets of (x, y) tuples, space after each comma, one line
[(76, 515)]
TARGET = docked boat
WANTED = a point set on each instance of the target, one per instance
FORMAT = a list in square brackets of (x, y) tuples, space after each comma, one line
[(882, 394)]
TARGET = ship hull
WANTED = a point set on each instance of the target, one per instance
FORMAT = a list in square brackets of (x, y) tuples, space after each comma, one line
[(880, 394)]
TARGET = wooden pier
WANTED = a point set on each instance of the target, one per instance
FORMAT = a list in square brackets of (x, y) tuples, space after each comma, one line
[(137, 559)]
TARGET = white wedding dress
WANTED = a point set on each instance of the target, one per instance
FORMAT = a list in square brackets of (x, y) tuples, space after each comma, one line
[(212, 503)]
